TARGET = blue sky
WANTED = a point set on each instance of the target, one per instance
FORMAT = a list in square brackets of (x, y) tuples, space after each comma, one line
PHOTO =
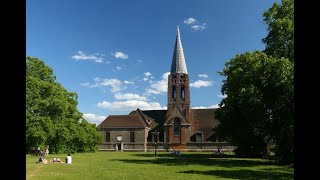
[(116, 54)]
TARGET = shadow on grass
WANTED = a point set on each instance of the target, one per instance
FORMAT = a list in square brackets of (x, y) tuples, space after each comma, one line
[(201, 156), (196, 159), (244, 174)]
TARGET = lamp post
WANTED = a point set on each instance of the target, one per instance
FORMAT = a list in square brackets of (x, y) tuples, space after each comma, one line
[(155, 139)]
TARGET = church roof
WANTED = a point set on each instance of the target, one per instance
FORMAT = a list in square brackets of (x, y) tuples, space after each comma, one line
[(178, 62), (202, 120), (122, 121), (150, 122)]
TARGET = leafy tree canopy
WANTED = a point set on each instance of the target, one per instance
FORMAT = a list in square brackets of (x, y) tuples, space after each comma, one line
[(52, 117), (280, 39), (257, 113)]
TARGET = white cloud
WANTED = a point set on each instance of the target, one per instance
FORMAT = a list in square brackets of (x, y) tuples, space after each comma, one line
[(222, 96), (190, 20), (121, 55), (85, 84), (89, 85), (214, 106), (203, 75), (128, 82), (198, 27), (201, 83), (158, 87), (195, 24), (129, 96), (147, 74), (129, 105), (118, 68), (114, 83), (93, 57), (145, 79), (92, 118), (204, 107), (139, 60)]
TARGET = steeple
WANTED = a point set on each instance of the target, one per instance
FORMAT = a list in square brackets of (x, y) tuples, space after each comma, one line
[(177, 127), (178, 62)]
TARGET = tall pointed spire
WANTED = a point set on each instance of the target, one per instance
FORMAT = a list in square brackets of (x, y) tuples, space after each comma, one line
[(178, 62)]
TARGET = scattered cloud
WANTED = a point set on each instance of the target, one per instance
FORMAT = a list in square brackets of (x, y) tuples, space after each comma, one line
[(120, 55), (201, 83), (92, 118), (189, 20), (85, 84), (222, 96), (96, 57), (199, 27), (147, 74), (129, 105), (204, 107), (214, 106), (203, 75), (195, 24), (128, 82), (114, 83), (139, 60), (129, 96), (118, 68), (158, 87)]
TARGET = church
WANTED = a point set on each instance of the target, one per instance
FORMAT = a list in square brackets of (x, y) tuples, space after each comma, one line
[(177, 128)]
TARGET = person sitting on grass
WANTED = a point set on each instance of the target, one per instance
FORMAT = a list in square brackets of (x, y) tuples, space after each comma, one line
[(68, 159), (219, 150), (175, 153), (42, 160)]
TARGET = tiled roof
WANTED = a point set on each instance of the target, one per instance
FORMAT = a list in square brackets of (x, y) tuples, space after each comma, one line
[(158, 115), (205, 121), (114, 121)]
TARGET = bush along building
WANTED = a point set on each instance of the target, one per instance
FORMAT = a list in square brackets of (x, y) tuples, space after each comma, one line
[(177, 128)]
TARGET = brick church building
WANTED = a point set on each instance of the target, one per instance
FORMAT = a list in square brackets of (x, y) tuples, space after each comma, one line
[(178, 127)]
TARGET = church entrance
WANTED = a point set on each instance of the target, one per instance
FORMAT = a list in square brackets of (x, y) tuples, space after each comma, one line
[(119, 147)]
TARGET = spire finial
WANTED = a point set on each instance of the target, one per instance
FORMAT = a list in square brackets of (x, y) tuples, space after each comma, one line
[(178, 32)]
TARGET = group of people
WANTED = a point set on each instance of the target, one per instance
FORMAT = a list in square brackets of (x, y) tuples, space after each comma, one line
[(219, 151), (43, 160), (175, 153)]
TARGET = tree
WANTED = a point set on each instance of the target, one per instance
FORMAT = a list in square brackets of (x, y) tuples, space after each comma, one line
[(258, 109), (280, 39), (52, 117)]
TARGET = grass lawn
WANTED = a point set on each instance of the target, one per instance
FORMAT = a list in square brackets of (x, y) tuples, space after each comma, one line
[(141, 165)]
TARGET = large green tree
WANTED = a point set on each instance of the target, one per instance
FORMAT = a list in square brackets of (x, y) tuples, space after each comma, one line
[(52, 117), (280, 39), (258, 109)]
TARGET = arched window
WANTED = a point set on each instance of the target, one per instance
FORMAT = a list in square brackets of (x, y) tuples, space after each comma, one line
[(107, 136), (174, 92), (176, 127), (183, 96), (131, 136)]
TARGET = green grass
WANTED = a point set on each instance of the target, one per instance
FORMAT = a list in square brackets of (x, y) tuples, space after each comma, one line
[(140, 165)]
